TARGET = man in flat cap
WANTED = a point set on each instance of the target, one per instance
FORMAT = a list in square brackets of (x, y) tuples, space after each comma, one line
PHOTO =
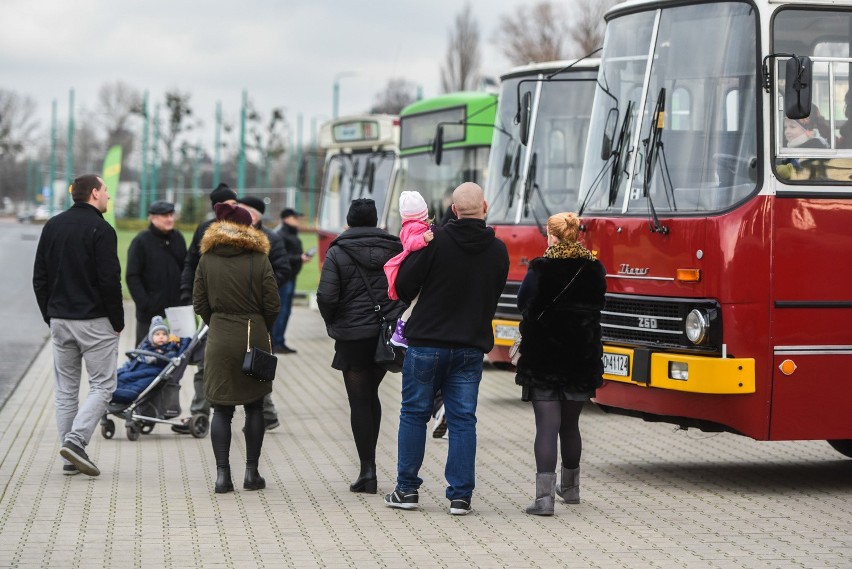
[(154, 265)]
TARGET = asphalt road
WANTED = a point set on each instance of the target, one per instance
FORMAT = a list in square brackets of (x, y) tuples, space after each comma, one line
[(22, 330)]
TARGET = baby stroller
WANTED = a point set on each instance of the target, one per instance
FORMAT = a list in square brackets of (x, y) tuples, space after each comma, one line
[(159, 401)]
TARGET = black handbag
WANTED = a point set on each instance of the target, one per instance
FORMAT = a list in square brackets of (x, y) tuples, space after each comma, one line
[(387, 356), (258, 363)]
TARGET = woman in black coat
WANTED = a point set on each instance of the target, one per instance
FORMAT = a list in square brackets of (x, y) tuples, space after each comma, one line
[(347, 309), (560, 366)]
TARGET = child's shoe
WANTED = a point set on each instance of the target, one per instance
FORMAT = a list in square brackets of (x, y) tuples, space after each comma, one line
[(398, 337)]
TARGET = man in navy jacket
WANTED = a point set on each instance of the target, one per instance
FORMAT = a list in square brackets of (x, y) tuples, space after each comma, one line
[(77, 283)]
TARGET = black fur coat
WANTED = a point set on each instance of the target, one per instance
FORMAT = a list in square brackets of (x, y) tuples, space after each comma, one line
[(562, 349)]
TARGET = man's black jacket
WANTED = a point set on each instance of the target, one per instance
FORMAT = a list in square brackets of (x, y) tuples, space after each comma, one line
[(154, 266)]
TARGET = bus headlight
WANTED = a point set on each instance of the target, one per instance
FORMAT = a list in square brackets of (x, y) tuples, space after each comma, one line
[(697, 326)]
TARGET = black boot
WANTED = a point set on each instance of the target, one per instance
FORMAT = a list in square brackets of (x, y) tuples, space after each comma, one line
[(253, 479), (367, 479), (224, 483)]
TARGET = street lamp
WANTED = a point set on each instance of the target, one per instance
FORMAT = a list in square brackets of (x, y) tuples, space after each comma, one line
[(336, 91)]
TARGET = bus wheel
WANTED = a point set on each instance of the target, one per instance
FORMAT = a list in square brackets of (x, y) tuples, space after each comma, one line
[(844, 447)]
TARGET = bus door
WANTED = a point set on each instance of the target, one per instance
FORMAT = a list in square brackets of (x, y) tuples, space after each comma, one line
[(811, 303)]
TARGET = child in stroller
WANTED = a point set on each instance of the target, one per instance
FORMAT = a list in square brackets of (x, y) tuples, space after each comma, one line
[(148, 390), (143, 366)]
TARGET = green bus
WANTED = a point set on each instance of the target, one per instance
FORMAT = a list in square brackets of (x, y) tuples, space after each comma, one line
[(443, 141)]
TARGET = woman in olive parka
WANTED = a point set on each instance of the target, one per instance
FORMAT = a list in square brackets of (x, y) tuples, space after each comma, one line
[(235, 285)]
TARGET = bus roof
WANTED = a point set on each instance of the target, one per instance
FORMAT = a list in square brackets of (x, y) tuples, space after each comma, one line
[(449, 100), (587, 64), (360, 131)]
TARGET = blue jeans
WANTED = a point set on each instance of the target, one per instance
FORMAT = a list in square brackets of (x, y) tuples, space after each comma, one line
[(285, 293), (457, 372)]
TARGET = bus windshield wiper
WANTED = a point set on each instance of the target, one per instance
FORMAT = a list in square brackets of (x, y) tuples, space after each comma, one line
[(530, 189), (617, 161), (653, 145)]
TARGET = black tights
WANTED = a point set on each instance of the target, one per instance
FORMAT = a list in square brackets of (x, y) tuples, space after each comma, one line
[(220, 432), (365, 410), (552, 419)]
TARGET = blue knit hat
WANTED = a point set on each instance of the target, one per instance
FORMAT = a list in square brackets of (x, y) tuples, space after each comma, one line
[(157, 323)]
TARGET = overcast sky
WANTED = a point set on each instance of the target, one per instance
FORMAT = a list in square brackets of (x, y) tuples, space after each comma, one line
[(283, 52)]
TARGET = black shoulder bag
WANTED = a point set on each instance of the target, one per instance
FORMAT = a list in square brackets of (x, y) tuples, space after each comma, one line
[(387, 355), (258, 363)]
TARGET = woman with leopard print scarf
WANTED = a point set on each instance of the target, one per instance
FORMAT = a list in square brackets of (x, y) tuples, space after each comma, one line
[(560, 366)]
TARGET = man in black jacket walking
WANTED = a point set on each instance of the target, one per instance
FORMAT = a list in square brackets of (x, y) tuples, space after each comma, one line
[(154, 265), (289, 232), (459, 277), (77, 283)]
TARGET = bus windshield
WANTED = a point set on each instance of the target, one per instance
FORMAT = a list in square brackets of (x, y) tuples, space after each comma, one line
[(506, 161), (349, 177), (436, 183), (674, 127)]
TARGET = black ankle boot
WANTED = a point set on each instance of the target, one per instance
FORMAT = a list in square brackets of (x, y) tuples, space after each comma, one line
[(367, 479), (223, 480), (253, 479)]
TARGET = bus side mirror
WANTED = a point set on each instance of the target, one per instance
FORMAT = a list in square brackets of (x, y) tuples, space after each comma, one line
[(438, 145), (609, 133), (526, 112), (797, 88)]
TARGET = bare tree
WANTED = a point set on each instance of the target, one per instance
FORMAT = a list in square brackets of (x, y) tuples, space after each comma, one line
[(461, 64), (17, 123), (117, 104), (177, 124), (533, 33), (587, 29), (398, 94), (267, 140)]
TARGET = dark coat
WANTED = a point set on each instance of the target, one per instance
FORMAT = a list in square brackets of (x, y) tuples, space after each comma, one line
[(343, 300), (277, 256), (459, 276), (76, 274), (290, 236), (190, 264), (234, 283), (562, 349), (154, 265)]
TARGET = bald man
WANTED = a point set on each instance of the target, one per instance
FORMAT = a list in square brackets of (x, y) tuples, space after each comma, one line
[(459, 276)]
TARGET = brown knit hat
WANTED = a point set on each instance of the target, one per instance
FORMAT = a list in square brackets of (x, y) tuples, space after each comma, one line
[(233, 213)]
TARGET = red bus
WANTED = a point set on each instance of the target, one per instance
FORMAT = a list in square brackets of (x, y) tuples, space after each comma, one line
[(726, 240), (534, 169)]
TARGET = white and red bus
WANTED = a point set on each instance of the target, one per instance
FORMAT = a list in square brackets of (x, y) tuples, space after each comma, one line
[(362, 159), (727, 250), (537, 151)]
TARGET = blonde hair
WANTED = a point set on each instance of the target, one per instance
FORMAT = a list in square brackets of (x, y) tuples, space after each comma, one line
[(564, 226)]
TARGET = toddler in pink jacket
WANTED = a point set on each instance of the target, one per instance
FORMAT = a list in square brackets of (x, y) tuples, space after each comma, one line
[(415, 234)]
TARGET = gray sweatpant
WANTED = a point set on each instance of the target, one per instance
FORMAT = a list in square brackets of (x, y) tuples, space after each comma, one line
[(75, 341)]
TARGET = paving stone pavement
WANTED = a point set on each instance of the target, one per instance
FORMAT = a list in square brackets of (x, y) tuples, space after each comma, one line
[(652, 496)]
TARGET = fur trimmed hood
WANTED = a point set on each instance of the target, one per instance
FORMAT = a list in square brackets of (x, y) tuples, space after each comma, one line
[(226, 237)]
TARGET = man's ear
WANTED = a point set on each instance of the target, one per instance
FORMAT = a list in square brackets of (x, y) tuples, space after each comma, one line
[(484, 206), (453, 207)]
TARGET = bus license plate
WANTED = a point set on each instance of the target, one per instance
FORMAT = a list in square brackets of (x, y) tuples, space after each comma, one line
[(616, 364), (502, 332)]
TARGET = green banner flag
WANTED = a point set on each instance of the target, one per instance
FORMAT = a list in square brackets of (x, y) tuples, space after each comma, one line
[(110, 176)]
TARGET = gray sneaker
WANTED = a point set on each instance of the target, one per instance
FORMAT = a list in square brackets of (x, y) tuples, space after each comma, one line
[(78, 457)]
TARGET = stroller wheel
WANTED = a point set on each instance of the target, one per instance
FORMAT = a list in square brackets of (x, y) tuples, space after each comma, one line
[(133, 431), (199, 425), (147, 428), (107, 428)]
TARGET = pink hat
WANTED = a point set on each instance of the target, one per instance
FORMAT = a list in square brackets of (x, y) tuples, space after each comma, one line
[(412, 206)]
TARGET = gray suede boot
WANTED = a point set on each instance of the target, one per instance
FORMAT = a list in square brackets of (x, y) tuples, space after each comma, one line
[(569, 489), (545, 486)]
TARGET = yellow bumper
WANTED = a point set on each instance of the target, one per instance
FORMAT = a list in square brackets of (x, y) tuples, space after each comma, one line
[(505, 331), (678, 372)]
